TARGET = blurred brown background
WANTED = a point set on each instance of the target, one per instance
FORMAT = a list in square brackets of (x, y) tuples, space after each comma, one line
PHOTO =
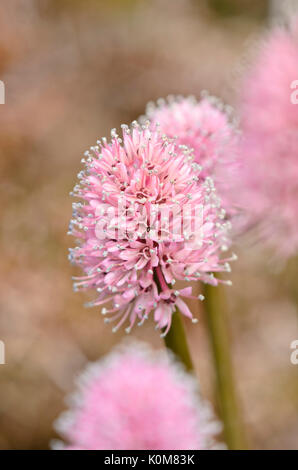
[(72, 70)]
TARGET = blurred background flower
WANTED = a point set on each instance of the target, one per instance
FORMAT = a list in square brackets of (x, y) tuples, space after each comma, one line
[(269, 116), (206, 126), (73, 70), (122, 403)]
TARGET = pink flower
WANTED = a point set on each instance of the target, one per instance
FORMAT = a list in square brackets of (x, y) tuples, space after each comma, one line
[(135, 226), (269, 147), (207, 128), (137, 399)]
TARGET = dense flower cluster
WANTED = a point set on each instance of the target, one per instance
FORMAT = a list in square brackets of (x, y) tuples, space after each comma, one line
[(209, 128), (137, 399), (138, 194), (269, 146)]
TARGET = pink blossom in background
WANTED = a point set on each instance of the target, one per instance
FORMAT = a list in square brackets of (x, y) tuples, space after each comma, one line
[(137, 271), (269, 147), (136, 399), (207, 127)]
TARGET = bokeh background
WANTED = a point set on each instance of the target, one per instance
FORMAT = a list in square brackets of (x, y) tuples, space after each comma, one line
[(72, 70)]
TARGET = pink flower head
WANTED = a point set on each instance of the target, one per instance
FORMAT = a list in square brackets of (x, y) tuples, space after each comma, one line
[(142, 195), (207, 128), (269, 147), (136, 399)]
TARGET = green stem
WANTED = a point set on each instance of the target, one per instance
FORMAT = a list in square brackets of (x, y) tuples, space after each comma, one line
[(176, 341), (216, 312)]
